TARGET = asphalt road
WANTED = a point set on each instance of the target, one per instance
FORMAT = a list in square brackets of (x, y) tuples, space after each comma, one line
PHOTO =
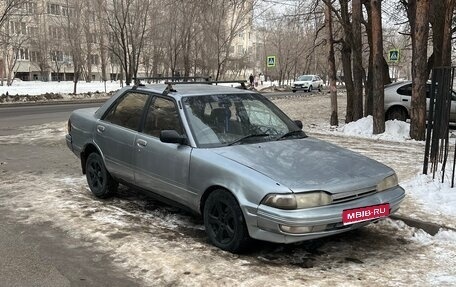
[(40, 255), (12, 117)]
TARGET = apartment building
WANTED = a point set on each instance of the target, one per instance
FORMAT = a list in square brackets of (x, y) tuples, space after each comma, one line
[(38, 44)]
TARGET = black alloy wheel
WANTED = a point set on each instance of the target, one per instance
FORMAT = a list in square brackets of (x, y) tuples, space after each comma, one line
[(100, 181), (224, 222)]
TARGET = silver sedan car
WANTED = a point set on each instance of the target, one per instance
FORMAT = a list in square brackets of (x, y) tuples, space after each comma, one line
[(233, 157)]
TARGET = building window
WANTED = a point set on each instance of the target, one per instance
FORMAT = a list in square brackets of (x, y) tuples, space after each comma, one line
[(53, 9), (32, 31), (55, 32), (18, 28), (31, 7), (67, 11), (34, 56), (92, 38), (57, 56), (94, 59), (22, 54)]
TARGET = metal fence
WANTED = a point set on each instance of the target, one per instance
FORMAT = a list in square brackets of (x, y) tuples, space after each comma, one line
[(440, 94)]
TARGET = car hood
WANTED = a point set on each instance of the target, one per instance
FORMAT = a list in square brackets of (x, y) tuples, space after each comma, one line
[(302, 82), (309, 164)]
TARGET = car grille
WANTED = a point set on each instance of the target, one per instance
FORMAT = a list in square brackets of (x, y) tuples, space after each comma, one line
[(352, 195)]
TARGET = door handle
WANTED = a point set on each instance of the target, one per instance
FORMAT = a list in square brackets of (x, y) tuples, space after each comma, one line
[(100, 129), (141, 143), (405, 100)]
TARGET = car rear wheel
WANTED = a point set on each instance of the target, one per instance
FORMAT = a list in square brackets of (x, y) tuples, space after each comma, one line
[(100, 181), (224, 222), (396, 113)]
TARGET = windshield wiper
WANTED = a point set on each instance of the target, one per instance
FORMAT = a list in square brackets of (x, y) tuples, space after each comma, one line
[(248, 137), (289, 134)]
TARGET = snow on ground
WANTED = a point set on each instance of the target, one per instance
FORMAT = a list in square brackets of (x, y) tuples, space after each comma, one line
[(394, 130), (64, 87), (166, 246)]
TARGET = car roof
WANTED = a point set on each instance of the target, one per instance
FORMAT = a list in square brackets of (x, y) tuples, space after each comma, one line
[(185, 90)]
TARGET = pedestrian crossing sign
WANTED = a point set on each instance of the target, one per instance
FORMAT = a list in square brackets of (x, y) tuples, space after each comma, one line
[(271, 61), (393, 55)]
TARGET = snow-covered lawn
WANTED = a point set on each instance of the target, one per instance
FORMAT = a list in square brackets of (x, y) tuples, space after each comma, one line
[(39, 87)]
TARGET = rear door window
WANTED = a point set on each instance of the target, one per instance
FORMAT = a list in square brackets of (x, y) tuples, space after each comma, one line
[(128, 111), (405, 90)]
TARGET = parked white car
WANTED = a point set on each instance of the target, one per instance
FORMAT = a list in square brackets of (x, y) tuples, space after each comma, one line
[(307, 83), (398, 98)]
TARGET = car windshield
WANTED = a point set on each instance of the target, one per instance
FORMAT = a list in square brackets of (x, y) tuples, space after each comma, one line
[(221, 120), (305, 78)]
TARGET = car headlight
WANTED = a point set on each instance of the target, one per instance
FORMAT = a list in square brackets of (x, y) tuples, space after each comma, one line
[(387, 183), (297, 200)]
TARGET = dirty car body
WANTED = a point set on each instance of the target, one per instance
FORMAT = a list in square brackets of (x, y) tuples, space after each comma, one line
[(235, 158)]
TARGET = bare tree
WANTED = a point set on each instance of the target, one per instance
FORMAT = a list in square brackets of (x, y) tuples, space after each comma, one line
[(8, 8), (377, 78), (419, 71), (334, 121), (223, 20), (358, 72), (128, 23), (75, 37)]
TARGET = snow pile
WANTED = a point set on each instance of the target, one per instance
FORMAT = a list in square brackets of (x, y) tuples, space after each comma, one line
[(434, 196), (394, 130)]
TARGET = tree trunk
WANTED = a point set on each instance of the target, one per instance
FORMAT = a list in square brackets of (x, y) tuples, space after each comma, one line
[(377, 78), (347, 68), (334, 120), (369, 98), (347, 44), (419, 71), (357, 60)]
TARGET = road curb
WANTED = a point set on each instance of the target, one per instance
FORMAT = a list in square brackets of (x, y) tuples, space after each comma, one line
[(51, 102), (428, 227)]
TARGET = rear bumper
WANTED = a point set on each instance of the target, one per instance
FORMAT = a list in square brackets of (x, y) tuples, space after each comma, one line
[(323, 221)]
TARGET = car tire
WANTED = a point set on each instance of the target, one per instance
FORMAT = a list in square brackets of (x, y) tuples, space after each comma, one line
[(396, 113), (309, 89), (99, 180), (224, 222), (319, 88), (294, 91)]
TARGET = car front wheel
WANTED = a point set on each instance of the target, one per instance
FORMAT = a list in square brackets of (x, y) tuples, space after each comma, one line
[(224, 222), (310, 89), (100, 181)]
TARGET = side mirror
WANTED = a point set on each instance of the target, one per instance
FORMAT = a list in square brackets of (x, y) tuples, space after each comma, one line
[(172, 136), (298, 123)]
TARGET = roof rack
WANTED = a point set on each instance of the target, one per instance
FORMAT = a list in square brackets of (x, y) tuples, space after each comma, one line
[(170, 84)]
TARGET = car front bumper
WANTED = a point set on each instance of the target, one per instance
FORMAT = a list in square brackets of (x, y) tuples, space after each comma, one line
[(299, 88), (69, 142), (324, 220)]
